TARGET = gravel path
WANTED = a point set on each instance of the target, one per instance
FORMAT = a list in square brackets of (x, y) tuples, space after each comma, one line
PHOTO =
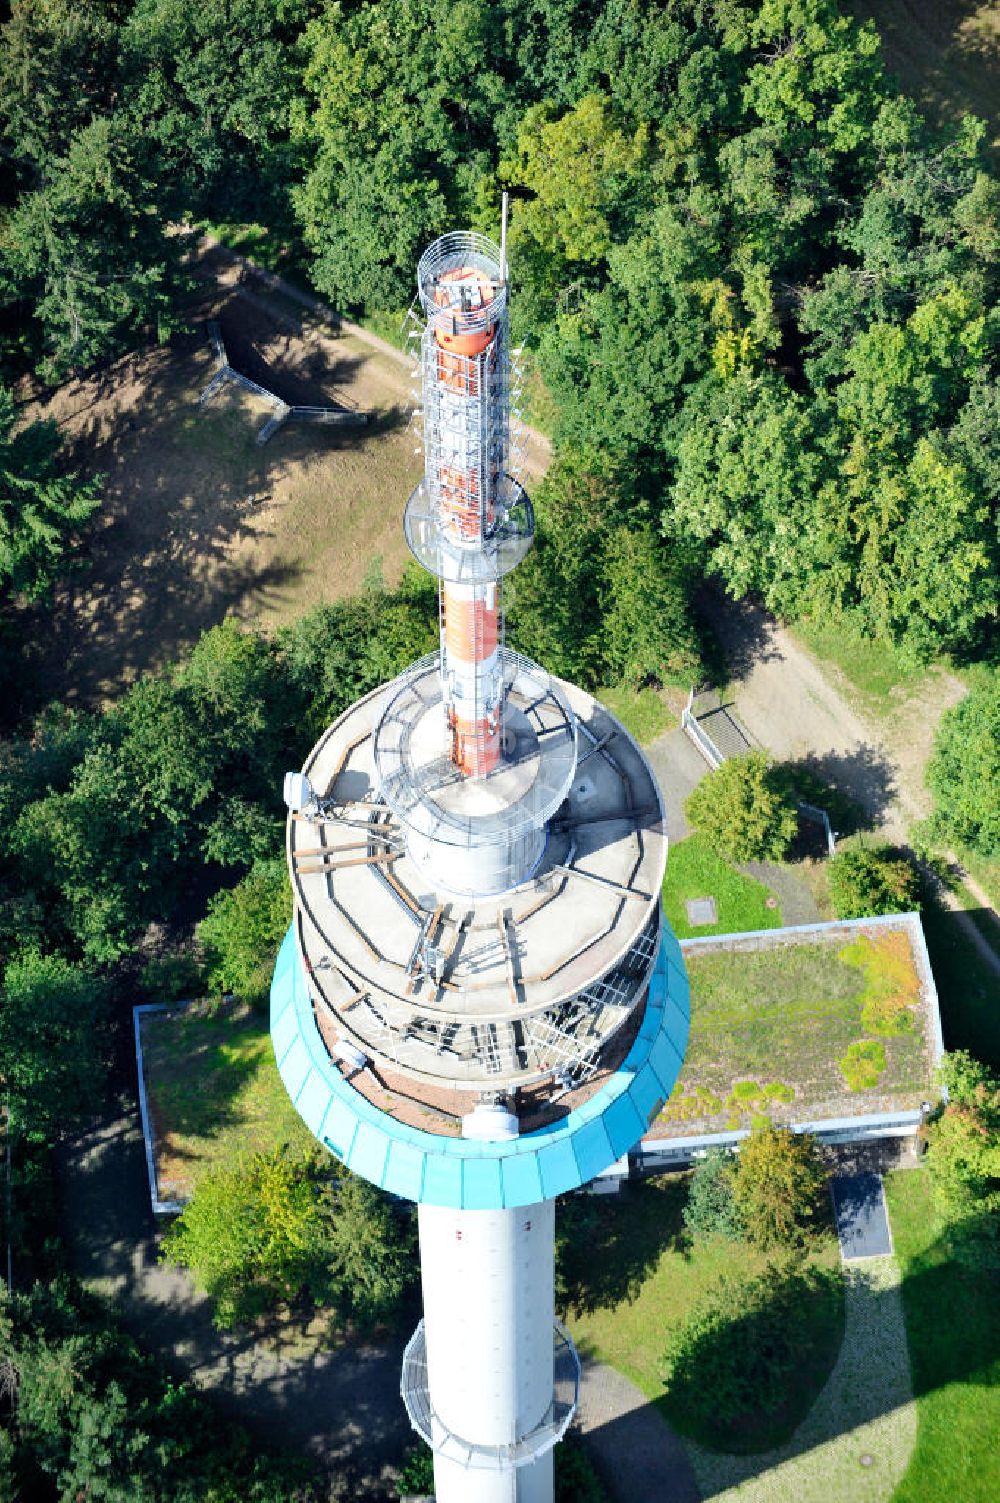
[(854, 1445), (639, 1457)]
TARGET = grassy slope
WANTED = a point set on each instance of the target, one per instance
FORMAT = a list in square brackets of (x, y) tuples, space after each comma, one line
[(953, 1330), (695, 871), (641, 1279)]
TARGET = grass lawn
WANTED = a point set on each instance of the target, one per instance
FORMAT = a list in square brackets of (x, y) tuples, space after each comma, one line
[(694, 870), (985, 870), (635, 1277), (214, 1092), (953, 1330), (874, 669), (772, 1032), (643, 712)]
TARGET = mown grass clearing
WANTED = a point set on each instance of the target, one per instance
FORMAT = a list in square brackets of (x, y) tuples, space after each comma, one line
[(773, 1030), (214, 1092), (200, 521), (643, 712), (695, 870), (874, 669), (632, 1277), (953, 1332)]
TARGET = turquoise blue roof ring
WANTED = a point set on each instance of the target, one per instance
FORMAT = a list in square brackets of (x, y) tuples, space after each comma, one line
[(461, 1172)]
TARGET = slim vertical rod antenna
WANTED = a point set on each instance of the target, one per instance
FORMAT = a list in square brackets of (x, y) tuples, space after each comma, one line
[(503, 237)]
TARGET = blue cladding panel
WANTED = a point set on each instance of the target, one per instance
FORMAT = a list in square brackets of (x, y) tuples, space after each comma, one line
[(442, 1180), (295, 1067), (481, 1188), (522, 1180), (624, 1125), (455, 1172), (369, 1152), (284, 1032), (593, 1149), (405, 1170), (313, 1100), (559, 1168)]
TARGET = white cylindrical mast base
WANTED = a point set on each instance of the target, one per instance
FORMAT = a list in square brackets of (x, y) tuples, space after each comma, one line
[(488, 1327)]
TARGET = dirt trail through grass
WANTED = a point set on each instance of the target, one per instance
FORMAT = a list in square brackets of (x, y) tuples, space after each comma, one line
[(797, 708)]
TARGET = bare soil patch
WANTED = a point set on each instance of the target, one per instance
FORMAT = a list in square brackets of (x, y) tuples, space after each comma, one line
[(945, 53), (199, 520)]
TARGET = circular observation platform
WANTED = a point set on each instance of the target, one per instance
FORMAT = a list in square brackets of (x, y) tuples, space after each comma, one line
[(461, 283), (424, 1160), (534, 993), (473, 836), (484, 561)]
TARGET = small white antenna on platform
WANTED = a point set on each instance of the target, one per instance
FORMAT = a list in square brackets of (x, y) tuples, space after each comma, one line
[(503, 237)]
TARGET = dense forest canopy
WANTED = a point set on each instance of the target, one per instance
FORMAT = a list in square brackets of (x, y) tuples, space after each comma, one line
[(760, 288), (763, 295)]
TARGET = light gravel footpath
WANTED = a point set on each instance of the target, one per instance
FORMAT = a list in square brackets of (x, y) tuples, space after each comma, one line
[(855, 1443)]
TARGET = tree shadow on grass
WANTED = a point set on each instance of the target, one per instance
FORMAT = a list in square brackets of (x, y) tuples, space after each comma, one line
[(954, 1335), (607, 1246)]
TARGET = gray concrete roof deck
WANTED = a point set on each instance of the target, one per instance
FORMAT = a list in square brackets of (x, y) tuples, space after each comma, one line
[(584, 915)]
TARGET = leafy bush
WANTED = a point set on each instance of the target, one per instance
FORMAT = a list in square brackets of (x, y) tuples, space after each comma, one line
[(778, 1186), (964, 772), (244, 928), (744, 1354), (872, 880), (255, 1234), (963, 1157), (863, 1064), (743, 810), (416, 1475), (710, 1210), (274, 1228), (575, 1478)]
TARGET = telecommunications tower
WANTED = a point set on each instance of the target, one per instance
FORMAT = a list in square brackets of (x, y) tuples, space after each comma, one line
[(478, 1006)]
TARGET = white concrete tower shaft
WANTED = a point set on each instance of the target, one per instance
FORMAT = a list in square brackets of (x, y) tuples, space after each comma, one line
[(488, 1320)]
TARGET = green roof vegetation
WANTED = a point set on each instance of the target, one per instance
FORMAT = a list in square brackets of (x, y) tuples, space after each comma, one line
[(695, 870), (214, 1092), (802, 1028)]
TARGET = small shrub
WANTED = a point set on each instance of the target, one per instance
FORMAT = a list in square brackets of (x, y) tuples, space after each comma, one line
[(244, 929), (744, 811), (872, 880), (863, 1064), (709, 1210), (575, 1478), (746, 1090), (417, 1473), (778, 1090), (778, 1185)]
